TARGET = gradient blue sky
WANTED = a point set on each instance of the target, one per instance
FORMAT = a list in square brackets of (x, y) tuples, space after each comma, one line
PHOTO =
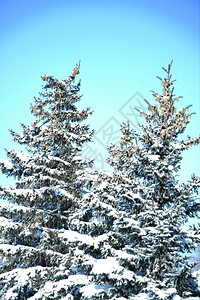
[(122, 46)]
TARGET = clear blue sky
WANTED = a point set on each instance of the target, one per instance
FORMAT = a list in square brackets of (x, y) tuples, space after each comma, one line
[(122, 46)]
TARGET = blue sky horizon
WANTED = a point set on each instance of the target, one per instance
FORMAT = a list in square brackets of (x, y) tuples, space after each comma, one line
[(122, 47)]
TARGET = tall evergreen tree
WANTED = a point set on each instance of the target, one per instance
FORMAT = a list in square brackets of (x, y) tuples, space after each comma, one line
[(146, 166), (53, 164), (51, 180)]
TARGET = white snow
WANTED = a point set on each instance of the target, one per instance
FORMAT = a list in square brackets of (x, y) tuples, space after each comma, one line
[(92, 289), (78, 279), (107, 265), (55, 287), (141, 296), (170, 167), (152, 230), (184, 228), (50, 157), (12, 207), (7, 164), (62, 192), (123, 254), (20, 277), (153, 157), (177, 297), (22, 156), (176, 146), (103, 185), (162, 293), (142, 232), (5, 222), (197, 275), (24, 192), (74, 236)]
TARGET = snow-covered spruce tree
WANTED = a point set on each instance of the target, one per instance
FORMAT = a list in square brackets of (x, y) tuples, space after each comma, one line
[(51, 180), (150, 195), (143, 209)]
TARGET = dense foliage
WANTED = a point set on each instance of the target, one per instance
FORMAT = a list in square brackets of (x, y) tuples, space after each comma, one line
[(76, 233)]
